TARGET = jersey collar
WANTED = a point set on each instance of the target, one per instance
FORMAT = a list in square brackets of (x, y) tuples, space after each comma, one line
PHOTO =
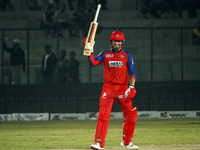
[(116, 51)]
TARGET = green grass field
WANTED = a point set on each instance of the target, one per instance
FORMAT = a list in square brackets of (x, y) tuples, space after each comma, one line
[(74, 134)]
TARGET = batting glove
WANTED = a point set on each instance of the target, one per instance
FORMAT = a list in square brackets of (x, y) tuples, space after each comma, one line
[(92, 50), (131, 91)]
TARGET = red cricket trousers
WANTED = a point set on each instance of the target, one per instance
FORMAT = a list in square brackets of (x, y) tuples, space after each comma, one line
[(110, 92)]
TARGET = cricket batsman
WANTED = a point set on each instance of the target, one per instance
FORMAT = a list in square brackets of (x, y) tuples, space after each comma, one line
[(119, 82)]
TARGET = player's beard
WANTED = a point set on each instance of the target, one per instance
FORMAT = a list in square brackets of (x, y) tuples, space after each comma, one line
[(116, 48)]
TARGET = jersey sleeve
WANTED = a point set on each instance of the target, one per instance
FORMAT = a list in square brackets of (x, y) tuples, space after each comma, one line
[(97, 60), (131, 67)]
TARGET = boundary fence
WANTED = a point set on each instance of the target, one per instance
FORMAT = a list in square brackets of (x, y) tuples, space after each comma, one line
[(81, 98)]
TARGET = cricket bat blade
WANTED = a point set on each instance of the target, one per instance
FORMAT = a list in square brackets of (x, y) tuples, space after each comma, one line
[(89, 43)]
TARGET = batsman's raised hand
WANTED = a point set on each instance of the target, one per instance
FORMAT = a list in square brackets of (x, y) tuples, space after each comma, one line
[(84, 41)]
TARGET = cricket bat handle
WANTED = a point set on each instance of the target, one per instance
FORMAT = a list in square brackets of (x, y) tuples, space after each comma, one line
[(97, 12)]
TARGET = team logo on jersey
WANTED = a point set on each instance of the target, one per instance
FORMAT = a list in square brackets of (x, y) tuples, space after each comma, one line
[(115, 64), (109, 55), (104, 95), (122, 56)]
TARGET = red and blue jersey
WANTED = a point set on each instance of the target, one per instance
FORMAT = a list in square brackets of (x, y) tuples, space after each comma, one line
[(117, 65)]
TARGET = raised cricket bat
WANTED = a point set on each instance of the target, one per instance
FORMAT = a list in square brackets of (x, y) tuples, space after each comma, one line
[(91, 34)]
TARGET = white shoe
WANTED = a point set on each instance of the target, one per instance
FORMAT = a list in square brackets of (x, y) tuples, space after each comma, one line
[(96, 146), (129, 146)]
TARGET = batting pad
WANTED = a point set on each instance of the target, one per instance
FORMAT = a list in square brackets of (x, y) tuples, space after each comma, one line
[(102, 125), (129, 126)]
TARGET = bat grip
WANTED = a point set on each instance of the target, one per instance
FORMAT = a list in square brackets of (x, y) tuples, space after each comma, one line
[(97, 12)]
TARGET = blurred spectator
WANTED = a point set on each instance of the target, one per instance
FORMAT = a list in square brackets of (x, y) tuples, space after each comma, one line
[(160, 9), (73, 68), (145, 6), (170, 9), (90, 14), (62, 67), (167, 8), (5, 3), (79, 21), (62, 21), (58, 3), (177, 8), (196, 34), (81, 3), (48, 20), (48, 65), (33, 4), (17, 60), (90, 11), (191, 6), (70, 4)]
